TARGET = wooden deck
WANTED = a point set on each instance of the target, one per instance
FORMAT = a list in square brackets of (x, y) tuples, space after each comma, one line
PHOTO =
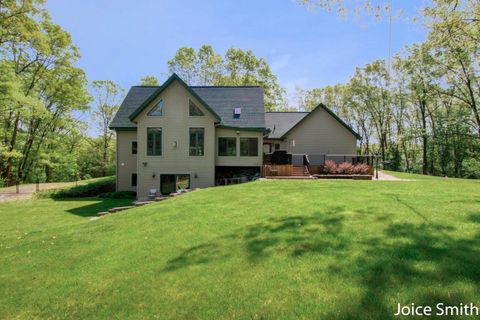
[(285, 170)]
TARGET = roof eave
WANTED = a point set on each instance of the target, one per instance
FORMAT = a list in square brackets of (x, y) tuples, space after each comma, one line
[(116, 128), (257, 129), (330, 112)]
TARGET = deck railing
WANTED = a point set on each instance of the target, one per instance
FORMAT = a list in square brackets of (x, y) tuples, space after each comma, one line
[(314, 163)]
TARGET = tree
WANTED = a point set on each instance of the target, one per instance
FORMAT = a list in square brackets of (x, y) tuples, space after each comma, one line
[(43, 86), (370, 88), (184, 64), (455, 34), (375, 8), (237, 68), (418, 67), (149, 81), (107, 96)]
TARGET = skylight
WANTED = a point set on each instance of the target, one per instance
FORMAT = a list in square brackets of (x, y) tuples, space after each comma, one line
[(237, 111)]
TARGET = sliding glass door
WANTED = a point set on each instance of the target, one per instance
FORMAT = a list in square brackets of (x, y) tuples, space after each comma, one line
[(170, 183)]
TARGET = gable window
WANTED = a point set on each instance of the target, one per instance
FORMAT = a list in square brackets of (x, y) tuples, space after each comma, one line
[(134, 147), (194, 110), (249, 147), (157, 110), (197, 137), (154, 141), (227, 146), (134, 180)]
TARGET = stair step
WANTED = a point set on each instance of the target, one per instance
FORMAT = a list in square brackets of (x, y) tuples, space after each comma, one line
[(117, 209), (141, 203)]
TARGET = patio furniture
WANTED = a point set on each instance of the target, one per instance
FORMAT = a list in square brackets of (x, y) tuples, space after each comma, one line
[(152, 194)]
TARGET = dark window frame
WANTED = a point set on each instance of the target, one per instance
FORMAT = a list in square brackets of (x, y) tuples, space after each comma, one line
[(134, 147), (249, 146), (198, 151), (152, 152), (226, 147), (133, 179), (190, 109), (149, 113)]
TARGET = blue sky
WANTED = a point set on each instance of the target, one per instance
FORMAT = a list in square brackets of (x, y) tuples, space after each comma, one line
[(124, 40)]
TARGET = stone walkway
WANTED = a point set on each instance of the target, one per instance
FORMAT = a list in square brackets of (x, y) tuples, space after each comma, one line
[(384, 176)]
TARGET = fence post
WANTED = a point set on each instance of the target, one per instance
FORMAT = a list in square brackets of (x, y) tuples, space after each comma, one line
[(37, 187), (17, 187)]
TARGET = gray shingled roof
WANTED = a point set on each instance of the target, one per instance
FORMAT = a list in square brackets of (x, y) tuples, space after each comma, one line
[(133, 99), (280, 122), (221, 99)]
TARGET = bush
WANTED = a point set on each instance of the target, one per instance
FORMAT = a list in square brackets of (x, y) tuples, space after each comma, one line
[(91, 189), (361, 168), (330, 167), (471, 168), (119, 195), (345, 168)]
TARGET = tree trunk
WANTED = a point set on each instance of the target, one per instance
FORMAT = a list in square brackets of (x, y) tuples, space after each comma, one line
[(423, 108)]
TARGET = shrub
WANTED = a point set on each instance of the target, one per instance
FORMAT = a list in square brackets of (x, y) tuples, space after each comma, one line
[(361, 168), (345, 168), (91, 189), (471, 168), (330, 167), (119, 195)]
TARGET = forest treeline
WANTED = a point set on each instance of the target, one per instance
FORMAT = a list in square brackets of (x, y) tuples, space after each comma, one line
[(43, 96), (420, 112)]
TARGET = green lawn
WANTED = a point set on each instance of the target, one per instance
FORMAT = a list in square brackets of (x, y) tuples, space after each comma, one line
[(264, 250)]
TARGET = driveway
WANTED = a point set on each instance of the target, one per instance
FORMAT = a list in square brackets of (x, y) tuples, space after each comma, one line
[(27, 190)]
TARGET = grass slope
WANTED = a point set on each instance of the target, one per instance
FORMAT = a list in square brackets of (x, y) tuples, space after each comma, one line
[(264, 250)]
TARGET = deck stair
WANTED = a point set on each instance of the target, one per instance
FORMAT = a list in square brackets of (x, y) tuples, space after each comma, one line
[(299, 171)]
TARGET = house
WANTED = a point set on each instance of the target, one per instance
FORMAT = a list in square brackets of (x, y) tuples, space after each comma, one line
[(180, 136)]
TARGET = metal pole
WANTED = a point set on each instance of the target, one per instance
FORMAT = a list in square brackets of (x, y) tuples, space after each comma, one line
[(376, 174)]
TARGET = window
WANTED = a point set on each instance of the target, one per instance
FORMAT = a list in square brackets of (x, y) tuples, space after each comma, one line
[(157, 110), (249, 147), (197, 141), (134, 147), (277, 146), (194, 110), (227, 146), (154, 141), (267, 148), (134, 180)]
